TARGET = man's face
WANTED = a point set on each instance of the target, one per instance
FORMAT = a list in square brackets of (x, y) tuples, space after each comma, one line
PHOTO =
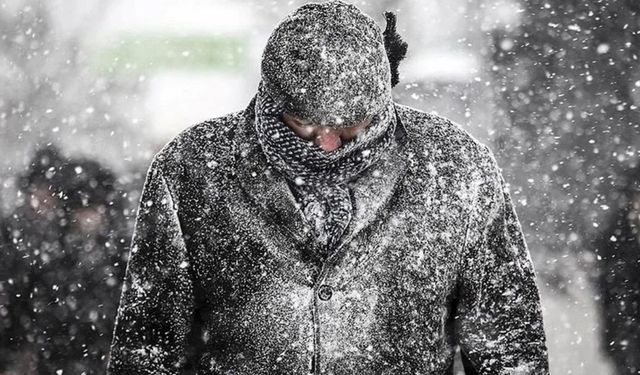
[(327, 138)]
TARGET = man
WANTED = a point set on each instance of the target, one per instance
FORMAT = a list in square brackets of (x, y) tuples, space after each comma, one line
[(327, 230)]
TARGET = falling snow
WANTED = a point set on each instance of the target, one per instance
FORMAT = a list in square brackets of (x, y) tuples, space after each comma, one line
[(505, 239)]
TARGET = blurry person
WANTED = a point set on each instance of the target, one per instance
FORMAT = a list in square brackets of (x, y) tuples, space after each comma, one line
[(618, 251), (75, 312), (32, 232), (95, 237), (62, 268), (326, 229)]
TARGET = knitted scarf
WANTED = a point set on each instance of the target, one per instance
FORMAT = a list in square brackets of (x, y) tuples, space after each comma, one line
[(320, 179)]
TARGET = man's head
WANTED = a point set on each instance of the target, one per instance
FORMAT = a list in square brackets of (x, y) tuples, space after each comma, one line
[(327, 63)]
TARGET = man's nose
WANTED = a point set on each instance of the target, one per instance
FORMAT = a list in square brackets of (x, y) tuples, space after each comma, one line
[(328, 139)]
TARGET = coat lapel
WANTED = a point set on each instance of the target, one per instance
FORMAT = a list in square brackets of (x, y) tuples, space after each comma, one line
[(268, 189), (371, 193)]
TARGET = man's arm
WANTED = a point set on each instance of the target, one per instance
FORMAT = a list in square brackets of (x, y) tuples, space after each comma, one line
[(499, 319), (156, 305)]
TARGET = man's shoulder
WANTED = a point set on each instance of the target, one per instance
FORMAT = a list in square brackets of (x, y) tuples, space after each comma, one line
[(443, 154), (434, 138), (200, 146)]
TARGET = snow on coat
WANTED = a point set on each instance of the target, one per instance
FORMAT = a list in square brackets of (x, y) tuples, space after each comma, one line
[(224, 278)]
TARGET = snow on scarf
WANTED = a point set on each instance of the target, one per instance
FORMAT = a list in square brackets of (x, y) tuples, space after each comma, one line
[(320, 178), (327, 64)]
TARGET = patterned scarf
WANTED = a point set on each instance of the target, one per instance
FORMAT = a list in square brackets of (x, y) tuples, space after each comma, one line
[(319, 179)]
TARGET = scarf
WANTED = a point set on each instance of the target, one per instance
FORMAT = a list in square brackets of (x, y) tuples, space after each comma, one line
[(320, 179)]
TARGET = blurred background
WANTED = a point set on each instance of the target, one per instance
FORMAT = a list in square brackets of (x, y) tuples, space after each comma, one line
[(91, 90)]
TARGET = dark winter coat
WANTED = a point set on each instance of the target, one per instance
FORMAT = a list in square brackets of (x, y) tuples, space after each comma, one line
[(618, 250), (224, 277)]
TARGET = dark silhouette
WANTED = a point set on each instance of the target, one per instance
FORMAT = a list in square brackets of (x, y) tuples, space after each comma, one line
[(64, 267), (32, 232), (618, 251)]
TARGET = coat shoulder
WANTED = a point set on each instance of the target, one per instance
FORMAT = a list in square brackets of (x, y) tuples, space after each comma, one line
[(204, 146), (436, 139), (447, 162)]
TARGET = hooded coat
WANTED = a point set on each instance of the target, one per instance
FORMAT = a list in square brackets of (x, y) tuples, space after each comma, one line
[(225, 275)]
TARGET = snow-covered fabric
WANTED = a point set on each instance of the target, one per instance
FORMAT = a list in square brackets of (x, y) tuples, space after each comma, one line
[(224, 276), (327, 63), (321, 179)]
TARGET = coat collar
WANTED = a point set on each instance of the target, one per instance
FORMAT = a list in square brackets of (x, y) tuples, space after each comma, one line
[(270, 192)]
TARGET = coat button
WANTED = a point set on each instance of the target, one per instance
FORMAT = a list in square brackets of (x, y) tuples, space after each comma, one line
[(325, 292)]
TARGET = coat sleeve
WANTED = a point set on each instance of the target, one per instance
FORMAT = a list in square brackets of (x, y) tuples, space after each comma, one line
[(156, 304), (499, 318)]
